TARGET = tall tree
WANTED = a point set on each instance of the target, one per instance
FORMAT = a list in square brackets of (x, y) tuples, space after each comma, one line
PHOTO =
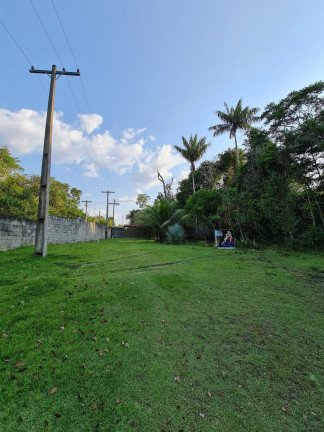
[(233, 120), (192, 152), (8, 164), (142, 200), (131, 216)]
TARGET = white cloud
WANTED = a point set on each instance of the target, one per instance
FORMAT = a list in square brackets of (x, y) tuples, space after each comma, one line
[(127, 199), (151, 137), (23, 132), (132, 133), (91, 171), (183, 175), (90, 122), (164, 160)]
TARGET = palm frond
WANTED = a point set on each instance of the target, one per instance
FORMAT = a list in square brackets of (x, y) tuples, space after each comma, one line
[(220, 129)]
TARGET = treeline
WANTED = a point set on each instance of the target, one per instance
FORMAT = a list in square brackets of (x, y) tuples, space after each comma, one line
[(19, 193), (272, 190)]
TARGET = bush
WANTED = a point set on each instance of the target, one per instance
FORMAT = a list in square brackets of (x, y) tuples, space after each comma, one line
[(175, 234)]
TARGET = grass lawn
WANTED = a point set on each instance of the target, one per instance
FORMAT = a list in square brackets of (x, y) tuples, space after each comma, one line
[(131, 335)]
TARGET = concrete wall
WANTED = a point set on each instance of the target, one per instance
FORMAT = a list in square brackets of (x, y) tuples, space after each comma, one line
[(16, 232)]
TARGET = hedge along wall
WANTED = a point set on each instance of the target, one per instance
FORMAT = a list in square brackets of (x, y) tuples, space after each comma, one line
[(16, 232)]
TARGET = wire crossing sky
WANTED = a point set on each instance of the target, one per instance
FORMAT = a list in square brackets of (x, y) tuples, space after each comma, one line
[(151, 72)]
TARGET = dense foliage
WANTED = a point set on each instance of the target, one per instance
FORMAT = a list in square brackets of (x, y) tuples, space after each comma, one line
[(19, 192), (276, 192), (157, 218)]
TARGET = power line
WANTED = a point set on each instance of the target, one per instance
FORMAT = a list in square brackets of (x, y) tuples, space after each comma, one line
[(55, 50), (22, 52), (17, 44), (58, 17), (83, 88), (29, 61), (46, 32), (41, 83)]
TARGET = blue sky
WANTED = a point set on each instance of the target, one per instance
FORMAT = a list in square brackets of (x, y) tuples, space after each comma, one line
[(153, 71)]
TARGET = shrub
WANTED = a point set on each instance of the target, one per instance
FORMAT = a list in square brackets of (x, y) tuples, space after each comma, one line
[(175, 234)]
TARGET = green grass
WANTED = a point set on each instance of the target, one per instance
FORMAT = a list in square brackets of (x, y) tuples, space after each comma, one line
[(241, 329)]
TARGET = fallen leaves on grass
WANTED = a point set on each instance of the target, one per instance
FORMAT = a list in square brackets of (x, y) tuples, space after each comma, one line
[(177, 378), (20, 364), (209, 394), (52, 391), (125, 343)]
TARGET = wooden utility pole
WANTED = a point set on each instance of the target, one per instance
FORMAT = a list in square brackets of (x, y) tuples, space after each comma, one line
[(107, 206), (114, 203), (42, 215), (86, 206)]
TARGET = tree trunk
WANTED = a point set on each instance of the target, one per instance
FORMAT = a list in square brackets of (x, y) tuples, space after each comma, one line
[(193, 177), (237, 151), (310, 207)]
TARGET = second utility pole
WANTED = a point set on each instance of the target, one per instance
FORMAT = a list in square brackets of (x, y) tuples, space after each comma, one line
[(107, 192), (86, 206), (114, 204)]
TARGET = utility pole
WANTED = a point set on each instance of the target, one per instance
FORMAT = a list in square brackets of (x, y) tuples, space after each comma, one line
[(86, 206), (42, 215), (114, 204), (107, 192)]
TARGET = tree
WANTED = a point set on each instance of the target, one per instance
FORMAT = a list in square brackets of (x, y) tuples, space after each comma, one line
[(167, 188), (157, 218), (131, 216), (203, 206), (296, 124), (262, 196), (192, 152), (19, 193), (8, 164), (233, 120), (204, 177), (142, 200), (209, 175)]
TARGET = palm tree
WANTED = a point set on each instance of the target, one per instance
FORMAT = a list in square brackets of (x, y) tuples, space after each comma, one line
[(233, 120), (157, 218), (193, 151)]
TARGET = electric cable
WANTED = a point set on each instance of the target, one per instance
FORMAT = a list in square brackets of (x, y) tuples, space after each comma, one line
[(83, 88), (55, 50), (22, 52)]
